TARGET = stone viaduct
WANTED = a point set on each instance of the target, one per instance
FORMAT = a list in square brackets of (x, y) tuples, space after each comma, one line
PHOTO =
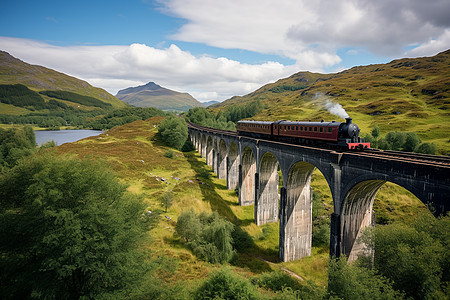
[(354, 178)]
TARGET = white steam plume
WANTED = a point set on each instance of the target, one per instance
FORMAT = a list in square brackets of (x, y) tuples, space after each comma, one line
[(334, 108)]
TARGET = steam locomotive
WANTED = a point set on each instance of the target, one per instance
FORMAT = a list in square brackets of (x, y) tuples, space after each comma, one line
[(330, 134)]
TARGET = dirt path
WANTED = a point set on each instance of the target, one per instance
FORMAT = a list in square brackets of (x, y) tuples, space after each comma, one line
[(283, 269)]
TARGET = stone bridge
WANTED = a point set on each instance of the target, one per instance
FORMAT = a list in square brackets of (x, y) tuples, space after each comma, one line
[(354, 178)]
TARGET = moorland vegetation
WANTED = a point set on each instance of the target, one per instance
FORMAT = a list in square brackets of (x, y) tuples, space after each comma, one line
[(135, 213), (100, 230)]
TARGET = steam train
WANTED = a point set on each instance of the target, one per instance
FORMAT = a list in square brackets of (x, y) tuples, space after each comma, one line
[(333, 134)]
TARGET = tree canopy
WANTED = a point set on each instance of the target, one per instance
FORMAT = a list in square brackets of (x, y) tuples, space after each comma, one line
[(174, 132), (16, 143), (68, 229)]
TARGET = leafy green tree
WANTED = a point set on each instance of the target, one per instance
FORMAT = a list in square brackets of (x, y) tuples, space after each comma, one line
[(174, 132), (413, 257), (411, 142), (16, 143), (188, 226), (69, 230), (426, 148), (375, 132), (216, 243), (395, 140), (348, 281), (166, 200), (209, 236)]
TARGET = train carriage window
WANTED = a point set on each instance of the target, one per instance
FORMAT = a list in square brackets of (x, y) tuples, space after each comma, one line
[(330, 129), (321, 129), (301, 128), (310, 128), (296, 127), (315, 128)]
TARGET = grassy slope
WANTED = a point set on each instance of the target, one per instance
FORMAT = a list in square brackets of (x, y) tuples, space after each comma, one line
[(38, 78), (137, 155), (403, 95)]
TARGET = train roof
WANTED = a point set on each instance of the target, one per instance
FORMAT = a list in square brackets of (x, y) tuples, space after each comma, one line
[(306, 123), (253, 122), (295, 123)]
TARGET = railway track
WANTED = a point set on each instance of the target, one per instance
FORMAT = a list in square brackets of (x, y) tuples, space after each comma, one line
[(427, 159), (420, 158)]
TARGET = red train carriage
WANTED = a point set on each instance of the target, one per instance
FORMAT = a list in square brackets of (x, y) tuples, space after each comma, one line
[(336, 134)]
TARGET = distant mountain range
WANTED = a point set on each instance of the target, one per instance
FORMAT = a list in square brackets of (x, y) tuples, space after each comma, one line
[(25, 81), (209, 103), (153, 95)]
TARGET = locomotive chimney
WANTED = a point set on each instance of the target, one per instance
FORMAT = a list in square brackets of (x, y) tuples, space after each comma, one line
[(349, 120)]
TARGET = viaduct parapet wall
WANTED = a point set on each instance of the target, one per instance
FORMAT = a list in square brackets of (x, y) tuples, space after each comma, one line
[(254, 166)]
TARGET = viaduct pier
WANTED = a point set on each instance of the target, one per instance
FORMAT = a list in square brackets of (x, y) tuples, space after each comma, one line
[(354, 178)]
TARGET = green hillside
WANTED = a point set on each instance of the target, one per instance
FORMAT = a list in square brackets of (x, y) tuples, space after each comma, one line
[(50, 85), (136, 152), (403, 95)]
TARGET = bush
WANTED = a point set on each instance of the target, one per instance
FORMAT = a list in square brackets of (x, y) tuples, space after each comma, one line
[(276, 281), (348, 281), (169, 154), (208, 236), (416, 258), (401, 141), (426, 148), (224, 284), (411, 142), (188, 146)]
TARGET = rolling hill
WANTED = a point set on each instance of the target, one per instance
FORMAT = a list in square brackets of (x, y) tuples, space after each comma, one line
[(153, 95), (403, 95), (51, 90)]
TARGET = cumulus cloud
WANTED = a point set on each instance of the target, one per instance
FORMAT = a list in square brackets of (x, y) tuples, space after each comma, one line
[(432, 46), (310, 32), (118, 67)]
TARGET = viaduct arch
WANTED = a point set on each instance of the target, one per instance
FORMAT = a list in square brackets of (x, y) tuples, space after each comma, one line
[(354, 178)]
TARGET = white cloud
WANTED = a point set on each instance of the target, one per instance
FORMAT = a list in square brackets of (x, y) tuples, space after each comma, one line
[(310, 32), (432, 46), (117, 67)]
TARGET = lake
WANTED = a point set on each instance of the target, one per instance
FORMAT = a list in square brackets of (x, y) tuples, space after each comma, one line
[(63, 136)]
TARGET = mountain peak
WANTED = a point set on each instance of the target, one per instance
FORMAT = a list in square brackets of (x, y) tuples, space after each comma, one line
[(154, 95), (151, 86)]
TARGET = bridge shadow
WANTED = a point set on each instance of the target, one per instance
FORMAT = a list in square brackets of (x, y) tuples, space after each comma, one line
[(249, 254)]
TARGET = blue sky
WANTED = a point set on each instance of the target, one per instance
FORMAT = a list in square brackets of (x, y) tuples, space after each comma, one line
[(217, 49)]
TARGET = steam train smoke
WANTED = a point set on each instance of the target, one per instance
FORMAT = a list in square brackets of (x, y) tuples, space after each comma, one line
[(334, 108)]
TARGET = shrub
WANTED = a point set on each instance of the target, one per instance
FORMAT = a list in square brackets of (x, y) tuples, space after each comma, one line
[(224, 284), (426, 148), (169, 154), (348, 281), (276, 281), (411, 142), (415, 258), (208, 236)]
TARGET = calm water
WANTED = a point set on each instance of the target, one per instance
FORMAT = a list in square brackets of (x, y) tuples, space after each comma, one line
[(63, 136)]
